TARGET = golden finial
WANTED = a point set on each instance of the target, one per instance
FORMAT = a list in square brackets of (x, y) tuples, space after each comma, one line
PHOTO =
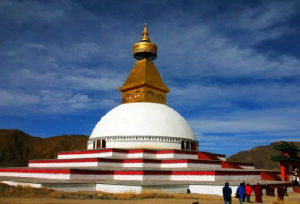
[(145, 48), (145, 34)]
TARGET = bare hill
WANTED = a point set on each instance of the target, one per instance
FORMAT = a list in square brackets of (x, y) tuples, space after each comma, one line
[(260, 156), (17, 147)]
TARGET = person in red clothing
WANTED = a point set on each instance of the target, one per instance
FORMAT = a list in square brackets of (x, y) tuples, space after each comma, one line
[(258, 193), (248, 189), (280, 193), (272, 190)]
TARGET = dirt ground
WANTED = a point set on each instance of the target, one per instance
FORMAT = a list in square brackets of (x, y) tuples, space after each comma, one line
[(293, 198)]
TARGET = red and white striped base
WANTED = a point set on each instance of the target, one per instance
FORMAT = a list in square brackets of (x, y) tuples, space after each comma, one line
[(130, 163), (134, 175)]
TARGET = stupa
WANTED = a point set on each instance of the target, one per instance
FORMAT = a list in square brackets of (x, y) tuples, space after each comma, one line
[(140, 144)]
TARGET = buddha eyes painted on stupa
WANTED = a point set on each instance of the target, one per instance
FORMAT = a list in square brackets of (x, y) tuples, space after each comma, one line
[(137, 94), (150, 94), (127, 96), (160, 97)]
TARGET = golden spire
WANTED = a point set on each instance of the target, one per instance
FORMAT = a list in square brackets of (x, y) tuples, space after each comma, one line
[(144, 83), (145, 34), (145, 48)]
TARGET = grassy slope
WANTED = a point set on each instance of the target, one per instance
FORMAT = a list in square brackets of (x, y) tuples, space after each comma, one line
[(17, 147)]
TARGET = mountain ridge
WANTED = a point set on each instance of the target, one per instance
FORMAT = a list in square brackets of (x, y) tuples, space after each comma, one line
[(260, 156), (20, 147)]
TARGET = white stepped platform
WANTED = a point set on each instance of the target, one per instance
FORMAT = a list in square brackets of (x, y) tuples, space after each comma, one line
[(131, 175), (129, 163), (135, 153)]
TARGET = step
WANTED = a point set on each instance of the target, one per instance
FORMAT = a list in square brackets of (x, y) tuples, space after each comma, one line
[(133, 153), (130, 163)]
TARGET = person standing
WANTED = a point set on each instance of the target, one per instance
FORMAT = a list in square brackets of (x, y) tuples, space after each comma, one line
[(280, 193), (248, 190), (258, 193), (241, 193), (272, 190), (227, 193)]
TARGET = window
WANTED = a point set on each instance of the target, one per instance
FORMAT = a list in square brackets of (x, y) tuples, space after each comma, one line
[(103, 144), (188, 145), (182, 145), (98, 145)]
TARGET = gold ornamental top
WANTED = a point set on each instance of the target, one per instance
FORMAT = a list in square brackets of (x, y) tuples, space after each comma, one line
[(145, 48)]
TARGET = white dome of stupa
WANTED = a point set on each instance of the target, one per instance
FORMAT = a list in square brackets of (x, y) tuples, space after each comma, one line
[(140, 125), (143, 119)]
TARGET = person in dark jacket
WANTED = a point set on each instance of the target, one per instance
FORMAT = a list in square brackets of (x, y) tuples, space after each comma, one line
[(227, 193), (241, 192)]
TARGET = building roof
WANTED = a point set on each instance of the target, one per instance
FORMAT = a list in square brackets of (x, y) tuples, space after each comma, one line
[(144, 73)]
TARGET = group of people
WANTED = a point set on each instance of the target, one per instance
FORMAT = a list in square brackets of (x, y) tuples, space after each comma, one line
[(244, 192)]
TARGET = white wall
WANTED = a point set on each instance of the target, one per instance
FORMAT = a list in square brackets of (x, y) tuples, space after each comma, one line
[(36, 175), (71, 187), (142, 145), (110, 188), (237, 177), (81, 156), (64, 164), (210, 189), (15, 183), (193, 178)]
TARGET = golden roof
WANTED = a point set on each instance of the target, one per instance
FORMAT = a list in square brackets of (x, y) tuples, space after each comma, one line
[(144, 73), (144, 83)]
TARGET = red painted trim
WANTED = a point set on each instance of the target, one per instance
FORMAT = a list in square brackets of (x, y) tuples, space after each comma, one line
[(176, 152), (218, 155), (155, 161), (233, 173), (93, 151), (141, 161), (147, 151), (90, 172), (193, 173), (43, 171), (191, 161), (230, 165), (128, 172), (63, 160)]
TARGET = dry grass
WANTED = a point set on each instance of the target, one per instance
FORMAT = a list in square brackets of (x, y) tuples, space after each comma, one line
[(28, 192), (28, 195)]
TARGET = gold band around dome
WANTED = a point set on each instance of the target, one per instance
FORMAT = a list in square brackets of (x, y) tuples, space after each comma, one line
[(144, 47)]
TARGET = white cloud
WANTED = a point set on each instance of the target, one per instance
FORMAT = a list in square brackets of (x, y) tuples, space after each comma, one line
[(27, 11), (14, 98)]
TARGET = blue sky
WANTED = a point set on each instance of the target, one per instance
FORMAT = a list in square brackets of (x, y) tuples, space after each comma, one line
[(233, 67)]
